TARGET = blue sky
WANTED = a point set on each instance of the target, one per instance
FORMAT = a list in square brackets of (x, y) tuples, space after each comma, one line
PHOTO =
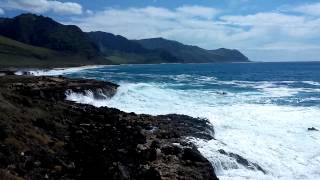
[(264, 30)]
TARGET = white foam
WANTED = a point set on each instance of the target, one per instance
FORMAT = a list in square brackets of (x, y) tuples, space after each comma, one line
[(18, 73), (280, 91), (61, 71), (273, 136), (312, 83), (271, 89)]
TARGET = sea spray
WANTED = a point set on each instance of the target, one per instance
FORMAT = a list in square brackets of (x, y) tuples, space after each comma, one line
[(261, 115)]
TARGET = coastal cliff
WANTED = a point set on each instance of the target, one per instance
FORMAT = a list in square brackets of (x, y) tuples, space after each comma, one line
[(43, 136)]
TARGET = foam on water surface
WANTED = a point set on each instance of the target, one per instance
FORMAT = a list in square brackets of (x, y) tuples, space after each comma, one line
[(59, 71), (275, 137), (263, 121)]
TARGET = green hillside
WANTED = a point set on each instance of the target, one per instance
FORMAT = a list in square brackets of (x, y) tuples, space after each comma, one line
[(30, 40), (45, 32), (192, 54), (121, 50), (17, 54)]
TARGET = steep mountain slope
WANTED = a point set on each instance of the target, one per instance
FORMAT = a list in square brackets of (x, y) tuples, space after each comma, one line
[(121, 50), (45, 32), (107, 42), (17, 54), (33, 40), (192, 54), (232, 55)]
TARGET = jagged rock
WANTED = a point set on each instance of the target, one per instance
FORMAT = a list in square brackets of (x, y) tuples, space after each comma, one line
[(123, 173), (171, 150), (241, 160), (3, 132), (193, 155), (43, 135), (313, 129)]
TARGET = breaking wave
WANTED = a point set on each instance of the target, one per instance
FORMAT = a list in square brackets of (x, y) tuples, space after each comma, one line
[(58, 71), (273, 136), (261, 112)]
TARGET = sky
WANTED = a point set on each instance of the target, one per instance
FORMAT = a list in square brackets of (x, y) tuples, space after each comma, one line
[(264, 30)]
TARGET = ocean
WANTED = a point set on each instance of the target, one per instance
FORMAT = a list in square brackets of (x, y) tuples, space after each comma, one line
[(260, 111)]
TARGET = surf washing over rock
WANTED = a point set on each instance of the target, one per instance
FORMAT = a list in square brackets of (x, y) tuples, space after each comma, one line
[(57, 71), (261, 113)]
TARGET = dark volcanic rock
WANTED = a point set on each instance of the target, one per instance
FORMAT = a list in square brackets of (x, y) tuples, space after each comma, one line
[(43, 136), (313, 129), (241, 160), (6, 72), (55, 88)]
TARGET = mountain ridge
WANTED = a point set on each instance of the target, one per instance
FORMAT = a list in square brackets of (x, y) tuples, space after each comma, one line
[(191, 53), (45, 32), (110, 44), (17, 54), (97, 47)]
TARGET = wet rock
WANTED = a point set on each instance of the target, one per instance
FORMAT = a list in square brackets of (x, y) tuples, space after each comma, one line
[(151, 173), (123, 173), (7, 175), (313, 129), (3, 132), (187, 126), (171, 150), (155, 144), (44, 136), (57, 169), (222, 93), (37, 163), (6, 72), (241, 160), (193, 154)]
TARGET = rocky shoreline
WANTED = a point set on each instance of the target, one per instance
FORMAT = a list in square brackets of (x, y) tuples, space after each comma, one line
[(43, 136)]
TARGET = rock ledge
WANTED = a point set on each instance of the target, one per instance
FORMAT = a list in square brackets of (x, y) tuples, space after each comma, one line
[(43, 136)]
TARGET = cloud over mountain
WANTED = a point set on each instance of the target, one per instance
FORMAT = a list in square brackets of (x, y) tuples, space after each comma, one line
[(247, 25), (42, 6)]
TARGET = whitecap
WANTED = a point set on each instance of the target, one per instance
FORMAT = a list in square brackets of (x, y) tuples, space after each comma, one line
[(312, 83), (273, 136), (60, 71)]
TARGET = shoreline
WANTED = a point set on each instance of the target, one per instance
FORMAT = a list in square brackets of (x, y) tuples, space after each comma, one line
[(22, 71), (58, 138), (56, 71)]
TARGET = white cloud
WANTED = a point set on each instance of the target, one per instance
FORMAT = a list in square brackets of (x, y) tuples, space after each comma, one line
[(184, 24), (1, 11), (198, 11), (310, 9), (89, 12), (190, 24), (256, 33), (290, 26), (263, 19), (274, 36), (41, 6)]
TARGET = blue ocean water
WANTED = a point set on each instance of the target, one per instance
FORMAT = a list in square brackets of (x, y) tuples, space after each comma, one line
[(295, 84), (261, 111)]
